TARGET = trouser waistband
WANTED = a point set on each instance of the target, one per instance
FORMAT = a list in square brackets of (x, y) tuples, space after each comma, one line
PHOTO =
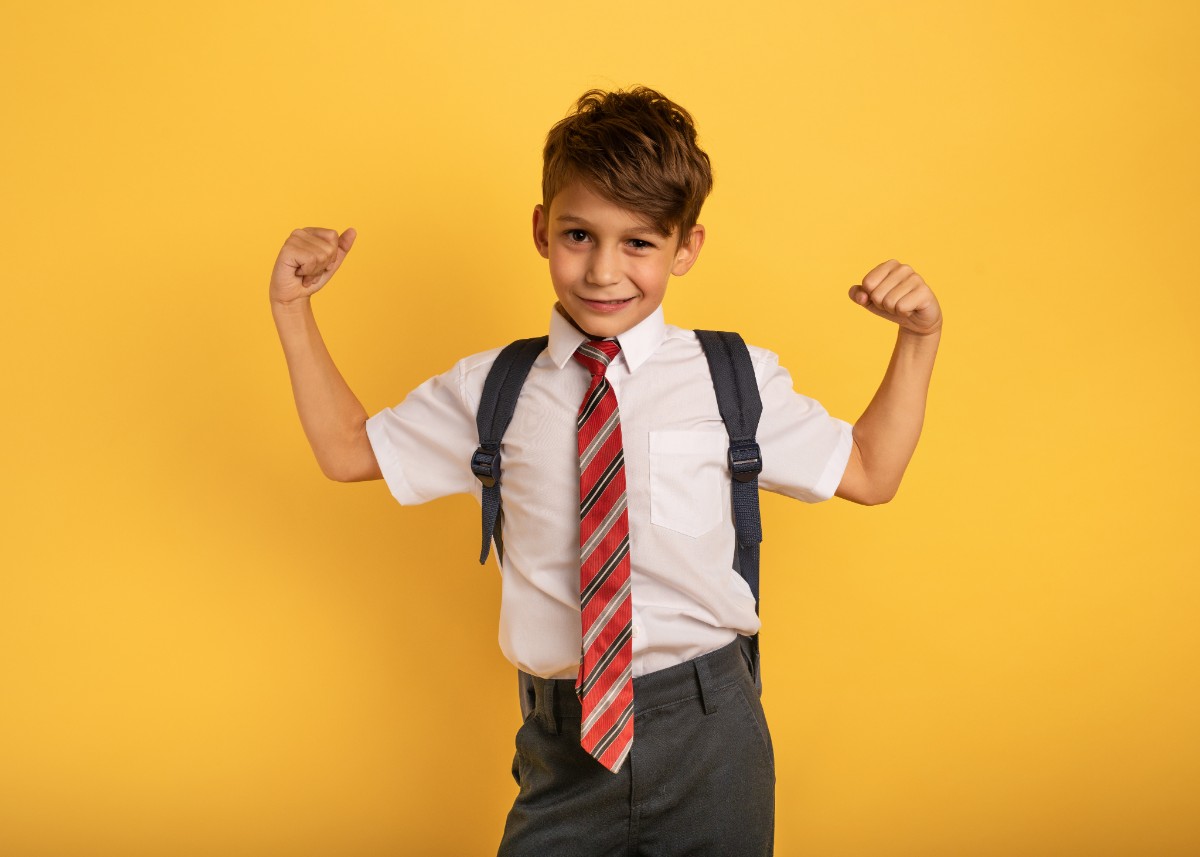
[(554, 699)]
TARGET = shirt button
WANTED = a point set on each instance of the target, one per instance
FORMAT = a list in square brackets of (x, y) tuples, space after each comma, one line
[(635, 630)]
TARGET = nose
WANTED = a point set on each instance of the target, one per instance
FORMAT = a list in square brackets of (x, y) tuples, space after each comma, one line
[(604, 268)]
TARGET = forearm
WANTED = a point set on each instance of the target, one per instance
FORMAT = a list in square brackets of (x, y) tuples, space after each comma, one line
[(333, 419), (887, 432)]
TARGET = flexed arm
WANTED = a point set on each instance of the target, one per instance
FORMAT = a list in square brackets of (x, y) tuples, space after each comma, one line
[(886, 434), (333, 419)]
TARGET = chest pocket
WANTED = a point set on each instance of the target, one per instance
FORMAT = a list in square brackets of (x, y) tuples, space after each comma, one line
[(688, 472)]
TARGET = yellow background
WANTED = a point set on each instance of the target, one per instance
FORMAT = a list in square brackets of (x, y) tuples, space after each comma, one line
[(206, 648)]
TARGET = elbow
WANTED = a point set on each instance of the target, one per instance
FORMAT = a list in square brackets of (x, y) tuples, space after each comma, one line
[(862, 485), (864, 495), (360, 467), (343, 472), (865, 499), (335, 473), (882, 495), (351, 460), (868, 494)]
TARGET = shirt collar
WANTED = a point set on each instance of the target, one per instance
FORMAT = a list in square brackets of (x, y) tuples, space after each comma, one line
[(637, 343)]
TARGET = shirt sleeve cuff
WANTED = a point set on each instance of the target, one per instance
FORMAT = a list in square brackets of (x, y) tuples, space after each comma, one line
[(389, 465), (835, 466)]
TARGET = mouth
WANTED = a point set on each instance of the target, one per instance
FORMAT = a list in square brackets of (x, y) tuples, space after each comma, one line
[(607, 306)]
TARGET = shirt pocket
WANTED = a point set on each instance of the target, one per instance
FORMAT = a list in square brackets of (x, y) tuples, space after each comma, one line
[(687, 473)]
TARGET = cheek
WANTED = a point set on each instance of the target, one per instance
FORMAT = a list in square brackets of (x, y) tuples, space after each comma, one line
[(561, 269), (652, 278), (559, 273)]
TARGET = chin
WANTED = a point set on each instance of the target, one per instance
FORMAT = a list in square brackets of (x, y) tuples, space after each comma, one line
[(598, 325), (606, 327)]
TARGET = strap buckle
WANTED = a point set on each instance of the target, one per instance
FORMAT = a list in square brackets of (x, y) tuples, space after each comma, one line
[(485, 464), (745, 461)]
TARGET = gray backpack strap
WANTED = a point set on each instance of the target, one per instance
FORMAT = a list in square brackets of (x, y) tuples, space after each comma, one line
[(740, 406), (496, 408)]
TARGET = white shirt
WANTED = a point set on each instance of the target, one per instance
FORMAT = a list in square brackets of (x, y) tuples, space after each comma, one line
[(687, 598)]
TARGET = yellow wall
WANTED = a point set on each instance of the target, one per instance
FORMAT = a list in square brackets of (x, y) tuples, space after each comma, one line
[(208, 649)]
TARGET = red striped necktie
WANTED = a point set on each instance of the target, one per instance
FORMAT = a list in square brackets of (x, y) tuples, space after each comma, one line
[(605, 682)]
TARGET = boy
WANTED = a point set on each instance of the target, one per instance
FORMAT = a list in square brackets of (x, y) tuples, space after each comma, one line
[(621, 607)]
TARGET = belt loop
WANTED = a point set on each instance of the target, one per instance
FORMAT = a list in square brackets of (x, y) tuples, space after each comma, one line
[(528, 694), (546, 705), (708, 698)]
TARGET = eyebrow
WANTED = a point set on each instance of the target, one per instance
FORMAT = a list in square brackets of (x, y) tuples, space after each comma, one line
[(640, 230)]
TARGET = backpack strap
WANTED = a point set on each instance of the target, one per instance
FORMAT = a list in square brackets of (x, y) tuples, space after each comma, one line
[(496, 407), (740, 406)]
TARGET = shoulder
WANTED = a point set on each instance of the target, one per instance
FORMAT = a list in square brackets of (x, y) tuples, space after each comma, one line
[(479, 363), (471, 372), (762, 357), (764, 361), (461, 383)]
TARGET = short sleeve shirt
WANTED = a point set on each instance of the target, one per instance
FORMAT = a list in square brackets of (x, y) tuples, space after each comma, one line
[(687, 597)]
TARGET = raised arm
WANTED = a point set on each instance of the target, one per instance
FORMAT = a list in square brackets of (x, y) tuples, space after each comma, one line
[(886, 434), (333, 419)]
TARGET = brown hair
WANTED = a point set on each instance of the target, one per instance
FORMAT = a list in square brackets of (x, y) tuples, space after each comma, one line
[(635, 148)]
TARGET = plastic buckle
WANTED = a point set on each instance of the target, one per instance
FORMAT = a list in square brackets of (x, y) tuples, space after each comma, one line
[(745, 462), (486, 465)]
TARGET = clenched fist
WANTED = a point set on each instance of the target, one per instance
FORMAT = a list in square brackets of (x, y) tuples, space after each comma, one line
[(307, 261), (897, 292)]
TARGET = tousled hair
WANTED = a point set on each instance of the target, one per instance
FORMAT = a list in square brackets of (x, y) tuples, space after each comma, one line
[(635, 148)]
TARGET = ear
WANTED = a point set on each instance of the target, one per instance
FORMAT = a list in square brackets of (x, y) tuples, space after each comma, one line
[(541, 228), (689, 249)]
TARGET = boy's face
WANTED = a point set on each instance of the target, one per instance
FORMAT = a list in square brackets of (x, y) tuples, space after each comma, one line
[(609, 266)]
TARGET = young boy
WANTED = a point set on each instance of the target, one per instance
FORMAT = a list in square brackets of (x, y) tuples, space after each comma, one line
[(621, 605)]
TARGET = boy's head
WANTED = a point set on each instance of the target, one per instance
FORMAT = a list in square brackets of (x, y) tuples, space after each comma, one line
[(636, 149), (623, 181)]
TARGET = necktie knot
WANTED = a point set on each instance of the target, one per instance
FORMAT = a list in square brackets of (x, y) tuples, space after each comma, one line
[(596, 354)]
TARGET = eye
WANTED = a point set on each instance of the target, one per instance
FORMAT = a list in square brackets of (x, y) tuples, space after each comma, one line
[(639, 244), (576, 235)]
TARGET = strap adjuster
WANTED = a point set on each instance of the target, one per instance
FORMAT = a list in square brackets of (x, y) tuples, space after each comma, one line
[(485, 464), (745, 461)]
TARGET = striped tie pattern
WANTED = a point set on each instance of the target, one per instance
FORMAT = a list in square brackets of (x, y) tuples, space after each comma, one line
[(605, 682)]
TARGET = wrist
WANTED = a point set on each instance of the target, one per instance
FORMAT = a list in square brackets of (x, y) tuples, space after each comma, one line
[(921, 335), (295, 306), (919, 344)]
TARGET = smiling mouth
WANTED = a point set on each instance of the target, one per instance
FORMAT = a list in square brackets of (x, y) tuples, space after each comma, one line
[(606, 307)]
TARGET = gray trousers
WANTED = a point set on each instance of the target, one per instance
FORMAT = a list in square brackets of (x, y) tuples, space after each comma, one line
[(700, 779)]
